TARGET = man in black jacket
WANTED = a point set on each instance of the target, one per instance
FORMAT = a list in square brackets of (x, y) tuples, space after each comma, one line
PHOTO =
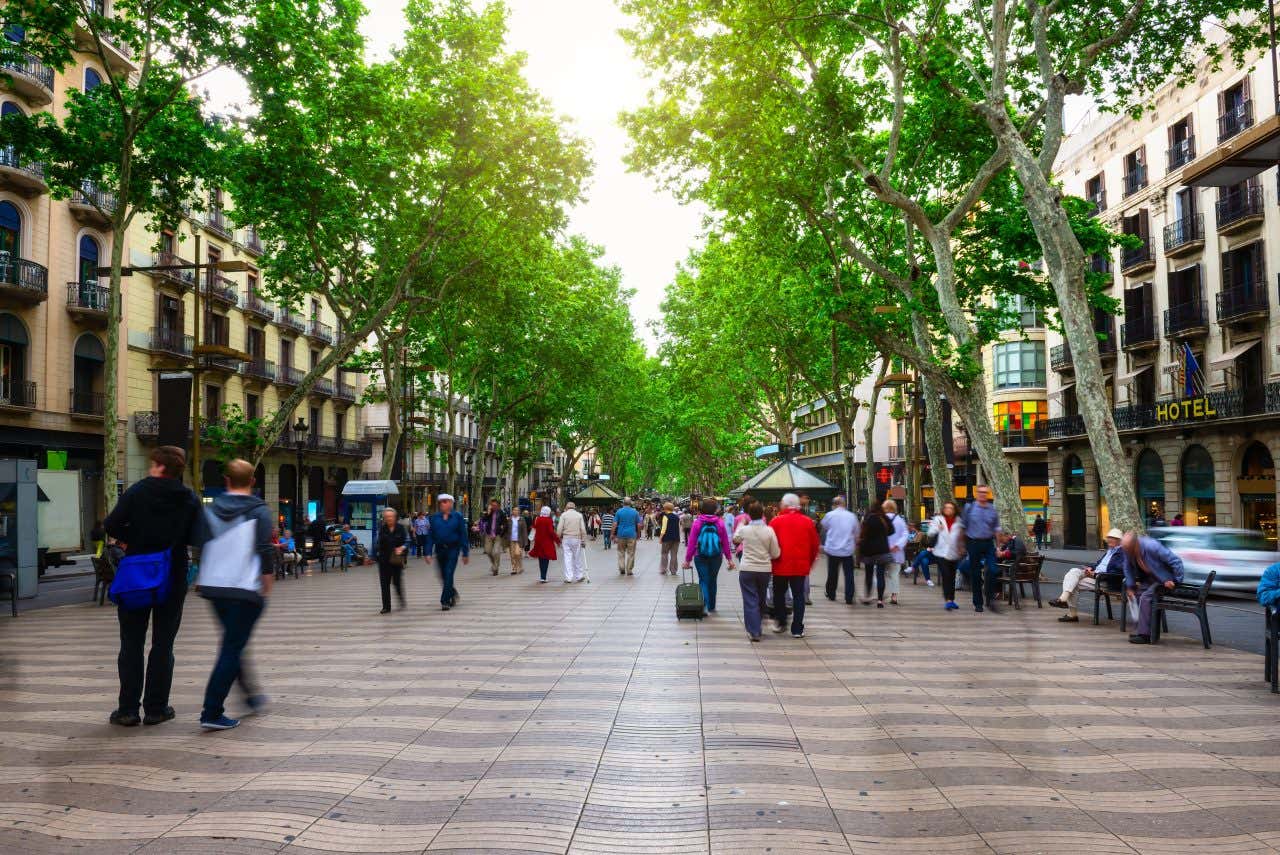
[(156, 514)]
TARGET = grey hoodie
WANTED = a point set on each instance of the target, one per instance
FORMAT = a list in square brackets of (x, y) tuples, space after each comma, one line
[(235, 547)]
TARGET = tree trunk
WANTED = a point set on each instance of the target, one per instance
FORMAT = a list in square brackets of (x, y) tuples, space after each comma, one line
[(1065, 262), (869, 432), (913, 462), (971, 403), (935, 444), (847, 439), (110, 369), (391, 378), (476, 490)]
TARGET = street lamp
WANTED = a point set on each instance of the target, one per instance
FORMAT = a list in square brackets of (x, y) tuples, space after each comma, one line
[(300, 440)]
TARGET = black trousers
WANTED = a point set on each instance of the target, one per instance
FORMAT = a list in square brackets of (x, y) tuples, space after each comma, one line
[(876, 566), (149, 687), (836, 563), (947, 569), (388, 576)]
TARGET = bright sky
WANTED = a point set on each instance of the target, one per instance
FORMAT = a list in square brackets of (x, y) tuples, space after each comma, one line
[(577, 59)]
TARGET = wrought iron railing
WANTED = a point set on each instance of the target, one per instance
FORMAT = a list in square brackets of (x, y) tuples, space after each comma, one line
[(28, 66), (1182, 152), (24, 275), (92, 195), (1181, 232), (319, 330), (1135, 179), (1185, 317), (88, 296), (1133, 256), (164, 340), (85, 403), (18, 393), (1243, 299), (1235, 120), (1239, 205), (1137, 330)]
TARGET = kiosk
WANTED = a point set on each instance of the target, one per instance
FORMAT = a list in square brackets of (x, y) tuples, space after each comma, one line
[(365, 501)]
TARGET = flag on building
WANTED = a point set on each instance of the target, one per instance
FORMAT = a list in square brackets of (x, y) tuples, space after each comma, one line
[(1192, 376)]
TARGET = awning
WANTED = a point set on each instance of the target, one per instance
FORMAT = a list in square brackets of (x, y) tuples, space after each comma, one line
[(1062, 390), (370, 488), (1126, 379), (1225, 360), (1243, 156)]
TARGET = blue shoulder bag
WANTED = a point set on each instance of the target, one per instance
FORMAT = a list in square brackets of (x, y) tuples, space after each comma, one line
[(141, 581)]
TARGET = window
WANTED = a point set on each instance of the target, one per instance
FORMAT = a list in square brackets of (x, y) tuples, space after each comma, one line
[(252, 407), (92, 79), (1239, 202), (255, 343), (315, 358), (1135, 171), (315, 309), (10, 230), (251, 284), (1199, 492), (1029, 315), (1095, 190), (1182, 143), (88, 266), (340, 425), (1015, 421), (315, 421), (1019, 365), (1235, 110), (1149, 481), (286, 355), (167, 242), (213, 403), (217, 329)]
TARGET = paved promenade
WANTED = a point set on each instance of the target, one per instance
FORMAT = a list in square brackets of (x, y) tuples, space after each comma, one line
[(585, 719)]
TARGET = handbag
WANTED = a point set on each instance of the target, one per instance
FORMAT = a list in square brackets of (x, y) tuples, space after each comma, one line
[(141, 581), (396, 559)]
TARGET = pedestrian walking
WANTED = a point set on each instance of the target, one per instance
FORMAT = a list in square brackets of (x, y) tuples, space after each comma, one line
[(237, 570), (981, 524), (154, 519), (607, 523), (544, 542), (798, 549), (897, 550), (494, 527), (873, 547), (947, 534), (839, 539), (708, 547), (669, 537), (1039, 529), (518, 541), (686, 524), (572, 531), (391, 548), (1148, 566), (593, 525), (760, 547), (626, 530), (421, 527), (448, 541)]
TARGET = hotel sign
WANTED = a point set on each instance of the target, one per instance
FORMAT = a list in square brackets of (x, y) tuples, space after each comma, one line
[(1188, 409)]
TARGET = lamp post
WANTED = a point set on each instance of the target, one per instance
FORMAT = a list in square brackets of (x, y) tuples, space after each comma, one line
[(300, 440)]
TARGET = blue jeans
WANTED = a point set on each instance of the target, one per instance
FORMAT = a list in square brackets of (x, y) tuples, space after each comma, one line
[(923, 559), (237, 618), (608, 535), (982, 551), (708, 568), (447, 556), (543, 564), (755, 591)]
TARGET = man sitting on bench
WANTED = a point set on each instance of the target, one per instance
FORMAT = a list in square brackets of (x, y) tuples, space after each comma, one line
[(1086, 578)]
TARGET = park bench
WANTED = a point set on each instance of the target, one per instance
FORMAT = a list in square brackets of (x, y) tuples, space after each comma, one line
[(1107, 586), (334, 556), (1191, 599), (1013, 576)]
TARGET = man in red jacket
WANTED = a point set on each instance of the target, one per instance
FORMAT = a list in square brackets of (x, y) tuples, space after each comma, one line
[(798, 540)]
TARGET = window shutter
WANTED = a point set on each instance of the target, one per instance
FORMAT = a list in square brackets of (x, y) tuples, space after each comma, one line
[(1244, 88), (1259, 265), (1144, 225), (1141, 155), (1191, 284), (1222, 103), (1191, 128), (1132, 304), (1228, 274), (1148, 298)]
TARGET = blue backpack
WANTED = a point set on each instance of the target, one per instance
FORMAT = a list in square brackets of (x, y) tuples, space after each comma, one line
[(709, 540), (141, 581)]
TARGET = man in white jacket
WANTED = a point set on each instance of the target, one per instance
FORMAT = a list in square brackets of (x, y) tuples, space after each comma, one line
[(237, 569), (573, 535)]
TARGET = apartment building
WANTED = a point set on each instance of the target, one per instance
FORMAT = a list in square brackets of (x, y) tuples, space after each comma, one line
[(1194, 372), (820, 448), (53, 315)]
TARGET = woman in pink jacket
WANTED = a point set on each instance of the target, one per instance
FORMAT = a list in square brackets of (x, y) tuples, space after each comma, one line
[(708, 544)]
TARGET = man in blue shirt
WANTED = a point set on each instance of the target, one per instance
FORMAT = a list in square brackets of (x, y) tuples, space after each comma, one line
[(981, 523), (839, 535), (626, 524), (447, 539)]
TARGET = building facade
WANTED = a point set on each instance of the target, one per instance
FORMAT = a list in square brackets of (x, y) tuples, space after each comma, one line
[(1192, 366), (53, 317)]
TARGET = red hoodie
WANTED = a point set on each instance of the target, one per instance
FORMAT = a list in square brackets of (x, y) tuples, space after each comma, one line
[(798, 539)]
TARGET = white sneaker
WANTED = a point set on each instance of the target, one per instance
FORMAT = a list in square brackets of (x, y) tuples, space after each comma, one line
[(929, 582)]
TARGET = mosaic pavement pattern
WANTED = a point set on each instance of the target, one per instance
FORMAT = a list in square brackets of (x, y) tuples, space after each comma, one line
[(585, 719)]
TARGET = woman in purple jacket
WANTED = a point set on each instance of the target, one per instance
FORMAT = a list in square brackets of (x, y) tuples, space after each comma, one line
[(706, 552), (1148, 565)]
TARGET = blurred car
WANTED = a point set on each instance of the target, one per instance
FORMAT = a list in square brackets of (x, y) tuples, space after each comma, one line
[(1238, 554)]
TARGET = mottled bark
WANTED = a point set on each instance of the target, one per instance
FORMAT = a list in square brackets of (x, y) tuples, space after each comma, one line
[(111, 370), (971, 404), (869, 433), (935, 445)]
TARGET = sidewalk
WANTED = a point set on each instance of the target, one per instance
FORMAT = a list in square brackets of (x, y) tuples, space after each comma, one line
[(584, 718)]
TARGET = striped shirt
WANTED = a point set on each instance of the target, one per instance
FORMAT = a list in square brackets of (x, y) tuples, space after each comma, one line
[(606, 522)]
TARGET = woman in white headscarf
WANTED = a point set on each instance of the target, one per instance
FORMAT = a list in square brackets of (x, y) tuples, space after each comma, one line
[(544, 542)]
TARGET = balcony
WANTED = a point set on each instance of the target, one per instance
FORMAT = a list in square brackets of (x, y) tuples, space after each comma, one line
[(1186, 320), (287, 319), (146, 425), (255, 305), (21, 175), (1240, 210), (182, 278), (1011, 438), (250, 241), (17, 394), (115, 53), (323, 388), (169, 342), (1243, 302), (22, 280), (30, 78), (88, 302), (1182, 153), (216, 221), (319, 331), (321, 444), (1135, 180), (1184, 236), (1060, 358), (1107, 338), (290, 376), (897, 452), (257, 368), (344, 393), (1138, 334), (1098, 200), (1100, 263), (1235, 120), (219, 289), (88, 405), (1137, 260), (92, 205)]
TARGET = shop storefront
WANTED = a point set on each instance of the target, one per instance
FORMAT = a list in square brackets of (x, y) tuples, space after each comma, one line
[(1199, 493), (1256, 485)]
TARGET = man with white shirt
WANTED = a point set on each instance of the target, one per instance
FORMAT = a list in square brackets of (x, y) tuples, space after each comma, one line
[(573, 535), (1086, 578), (839, 534)]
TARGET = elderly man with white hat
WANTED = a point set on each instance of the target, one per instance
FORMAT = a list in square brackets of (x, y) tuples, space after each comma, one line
[(1086, 578), (447, 539), (573, 535)]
